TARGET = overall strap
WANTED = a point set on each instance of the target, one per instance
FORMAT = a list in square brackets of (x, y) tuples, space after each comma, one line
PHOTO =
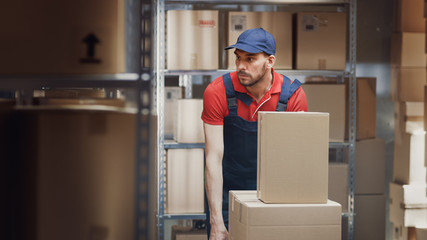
[(231, 95), (287, 90)]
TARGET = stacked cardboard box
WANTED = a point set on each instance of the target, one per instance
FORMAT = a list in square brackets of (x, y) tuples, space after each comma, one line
[(291, 200), (408, 80), (323, 95), (186, 194)]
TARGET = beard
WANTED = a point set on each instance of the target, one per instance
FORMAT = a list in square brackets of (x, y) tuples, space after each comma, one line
[(251, 79)]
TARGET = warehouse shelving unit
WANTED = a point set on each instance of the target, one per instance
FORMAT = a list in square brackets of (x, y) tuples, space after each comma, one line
[(164, 5), (138, 82)]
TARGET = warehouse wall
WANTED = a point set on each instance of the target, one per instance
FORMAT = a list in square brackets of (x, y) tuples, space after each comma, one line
[(374, 27)]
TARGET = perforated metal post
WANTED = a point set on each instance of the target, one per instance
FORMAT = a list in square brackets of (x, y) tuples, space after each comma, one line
[(352, 118)]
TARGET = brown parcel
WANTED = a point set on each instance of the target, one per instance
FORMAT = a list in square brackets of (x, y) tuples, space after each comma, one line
[(321, 41), (251, 219), (291, 147), (279, 24)]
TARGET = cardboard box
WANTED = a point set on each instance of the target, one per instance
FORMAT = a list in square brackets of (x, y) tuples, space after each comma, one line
[(421, 233), (279, 24), (189, 124), (338, 184), (291, 147), (172, 94), (328, 98), (321, 40), (250, 219), (366, 108), (192, 40), (409, 159), (405, 50), (188, 233), (370, 166), (407, 84), (403, 233), (408, 117), (185, 181), (370, 223), (47, 37), (76, 174), (409, 16), (408, 205)]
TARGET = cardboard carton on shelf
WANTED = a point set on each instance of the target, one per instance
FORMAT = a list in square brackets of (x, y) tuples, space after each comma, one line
[(405, 50), (293, 157), (192, 40), (338, 184), (321, 41), (189, 125), (279, 24), (409, 16), (328, 98), (407, 84), (48, 38), (185, 194), (250, 218), (370, 210)]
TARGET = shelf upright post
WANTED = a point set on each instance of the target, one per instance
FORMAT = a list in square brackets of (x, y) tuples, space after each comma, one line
[(140, 40), (352, 117), (160, 88)]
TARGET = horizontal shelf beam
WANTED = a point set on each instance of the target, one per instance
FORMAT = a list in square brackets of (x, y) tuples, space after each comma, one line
[(262, 2), (286, 72), (170, 144), (124, 80), (200, 216)]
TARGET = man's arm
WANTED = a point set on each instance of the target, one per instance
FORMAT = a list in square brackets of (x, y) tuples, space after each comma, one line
[(214, 150)]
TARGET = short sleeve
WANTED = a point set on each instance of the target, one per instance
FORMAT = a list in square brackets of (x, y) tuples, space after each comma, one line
[(215, 103), (298, 101)]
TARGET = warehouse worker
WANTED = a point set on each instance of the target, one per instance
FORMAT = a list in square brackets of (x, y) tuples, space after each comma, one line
[(230, 111)]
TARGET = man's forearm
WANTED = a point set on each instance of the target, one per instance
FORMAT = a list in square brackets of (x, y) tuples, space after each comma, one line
[(214, 192)]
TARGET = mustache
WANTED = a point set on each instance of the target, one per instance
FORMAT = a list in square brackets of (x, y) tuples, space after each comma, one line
[(243, 73)]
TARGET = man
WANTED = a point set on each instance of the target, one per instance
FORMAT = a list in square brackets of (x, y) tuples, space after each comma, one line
[(230, 111)]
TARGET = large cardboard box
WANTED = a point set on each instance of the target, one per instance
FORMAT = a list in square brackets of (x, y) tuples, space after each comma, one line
[(366, 108), (279, 24), (409, 16), (189, 124), (421, 233), (408, 117), (338, 184), (51, 37), (405, 50), (329, 98), (251, 218), (185, 181), (370, 166), (75, 176), (370, 221), (192, 39), (293, 157), (172, 94), (409, 159), (188, 233), (408, 205), (321, 40), (407, 84)]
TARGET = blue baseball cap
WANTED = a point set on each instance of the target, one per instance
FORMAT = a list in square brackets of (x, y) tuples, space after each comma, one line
[(255, 40)]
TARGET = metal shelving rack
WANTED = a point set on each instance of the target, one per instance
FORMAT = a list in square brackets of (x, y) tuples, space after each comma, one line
[(162, 72), (139, 81)]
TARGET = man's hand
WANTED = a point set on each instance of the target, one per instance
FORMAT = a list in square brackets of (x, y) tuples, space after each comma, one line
[(218, 232)]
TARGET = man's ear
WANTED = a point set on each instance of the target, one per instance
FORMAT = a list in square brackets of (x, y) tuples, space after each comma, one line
[(271, 60)]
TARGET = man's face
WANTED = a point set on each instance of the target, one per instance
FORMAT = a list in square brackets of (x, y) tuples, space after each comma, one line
[(251, 67)]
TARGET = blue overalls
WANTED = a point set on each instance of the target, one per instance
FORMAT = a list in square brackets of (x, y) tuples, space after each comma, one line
[(239, 163)]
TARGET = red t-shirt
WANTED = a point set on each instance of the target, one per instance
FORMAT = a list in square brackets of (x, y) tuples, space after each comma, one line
[(215, 106)]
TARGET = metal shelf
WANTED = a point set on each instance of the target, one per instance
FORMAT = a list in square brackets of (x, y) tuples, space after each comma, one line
[(286, 72), (199, 216), (123, 80), (170, 144), (323, 2)]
